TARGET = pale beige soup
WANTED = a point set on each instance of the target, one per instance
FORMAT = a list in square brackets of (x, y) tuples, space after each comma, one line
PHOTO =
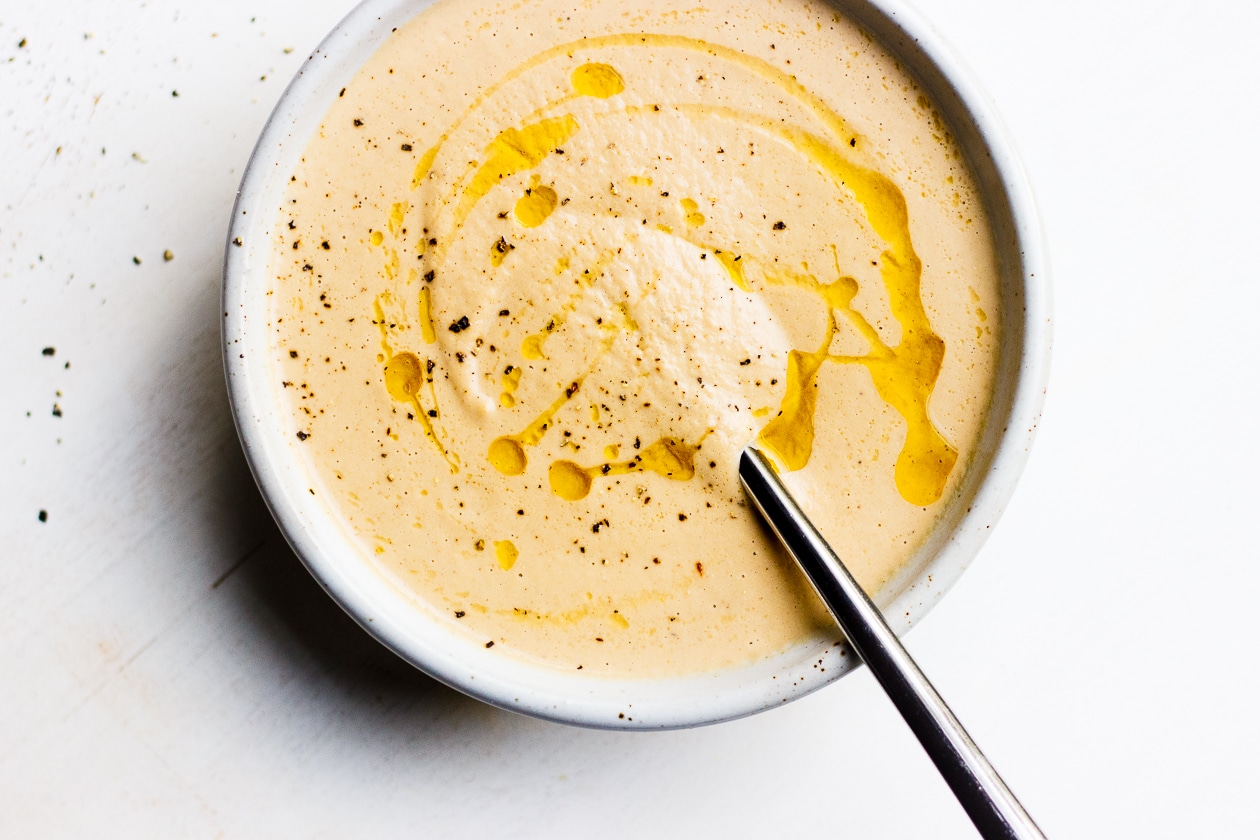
[(547, 268)]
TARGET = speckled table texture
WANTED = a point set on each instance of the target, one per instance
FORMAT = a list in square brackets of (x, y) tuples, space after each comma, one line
[(168, 668)]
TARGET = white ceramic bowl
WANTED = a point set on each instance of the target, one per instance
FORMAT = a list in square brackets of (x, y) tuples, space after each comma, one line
[(462, 662)]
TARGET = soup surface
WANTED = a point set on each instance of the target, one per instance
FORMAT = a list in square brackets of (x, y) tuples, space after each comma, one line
[(546, 268)]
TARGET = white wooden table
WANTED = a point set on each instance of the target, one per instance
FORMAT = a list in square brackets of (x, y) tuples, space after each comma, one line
[(168, 668)]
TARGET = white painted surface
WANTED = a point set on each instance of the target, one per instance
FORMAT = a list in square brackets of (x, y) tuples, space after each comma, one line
[(1099, 648)]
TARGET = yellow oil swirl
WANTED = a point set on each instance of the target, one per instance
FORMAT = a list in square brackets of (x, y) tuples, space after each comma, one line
[(507, 453), (904, 375), (405, 375), (513, 150), (668, 457)]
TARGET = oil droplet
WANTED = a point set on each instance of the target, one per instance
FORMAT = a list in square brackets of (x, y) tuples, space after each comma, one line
[(505, 552), (569, 481), (598, 80), (531, 347), (610, 451), (620, 620), (640, 181), (404, 374), (377, 238), (507, 456), (691, 212), (533, 208)]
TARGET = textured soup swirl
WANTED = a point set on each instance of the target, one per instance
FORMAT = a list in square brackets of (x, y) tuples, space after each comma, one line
[(546, 268)]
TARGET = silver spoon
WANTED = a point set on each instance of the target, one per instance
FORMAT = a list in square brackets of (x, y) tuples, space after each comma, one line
[(995, 811)]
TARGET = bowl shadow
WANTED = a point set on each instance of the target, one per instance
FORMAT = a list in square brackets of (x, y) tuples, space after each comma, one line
[(278, 603)]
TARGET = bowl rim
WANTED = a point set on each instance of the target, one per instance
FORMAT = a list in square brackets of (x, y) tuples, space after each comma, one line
[(516, 684)]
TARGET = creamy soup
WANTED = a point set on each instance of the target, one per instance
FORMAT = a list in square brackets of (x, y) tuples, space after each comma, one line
[(546, 268)]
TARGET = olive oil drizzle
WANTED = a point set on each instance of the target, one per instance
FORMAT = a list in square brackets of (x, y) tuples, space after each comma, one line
[(405, 376), (668, 457), (904, 375)]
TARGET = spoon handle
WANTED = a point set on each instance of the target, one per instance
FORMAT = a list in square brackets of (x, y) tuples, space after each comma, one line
[(995, 811)]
